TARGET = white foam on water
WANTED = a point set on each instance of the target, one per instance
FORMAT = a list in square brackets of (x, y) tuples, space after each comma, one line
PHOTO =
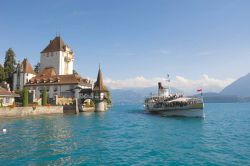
[(4, 131)]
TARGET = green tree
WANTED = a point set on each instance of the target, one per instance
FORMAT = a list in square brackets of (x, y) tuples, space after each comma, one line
[(37, 68), (108, 98), (44, 96), (9, 65), (75, 72), (1, 102), (2, 74), (25, 97)]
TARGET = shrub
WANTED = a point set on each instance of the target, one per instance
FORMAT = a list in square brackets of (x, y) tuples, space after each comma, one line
[(25, 97), (35, 103), (44, 97)]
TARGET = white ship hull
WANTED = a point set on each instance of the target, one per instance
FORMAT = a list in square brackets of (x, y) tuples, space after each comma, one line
[(180, 112), (192, 110)]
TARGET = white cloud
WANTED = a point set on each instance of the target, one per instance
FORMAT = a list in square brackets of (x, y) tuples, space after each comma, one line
[(208, 84), (131, 83), (188, 86)]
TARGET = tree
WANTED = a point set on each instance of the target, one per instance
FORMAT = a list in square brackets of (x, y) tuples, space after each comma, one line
[(2, 74), (9, 65), (1, 102), (37, 68), (75, 72), (44, 97), (25, 97), (108, 98)]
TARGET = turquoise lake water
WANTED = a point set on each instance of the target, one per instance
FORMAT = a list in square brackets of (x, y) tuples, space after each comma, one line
[(125, 135)]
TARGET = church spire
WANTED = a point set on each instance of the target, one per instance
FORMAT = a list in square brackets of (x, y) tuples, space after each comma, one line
[(99, 85)]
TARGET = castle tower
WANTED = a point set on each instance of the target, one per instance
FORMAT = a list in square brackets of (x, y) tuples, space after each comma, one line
[(59, 56), (24, 72), (100, 93)]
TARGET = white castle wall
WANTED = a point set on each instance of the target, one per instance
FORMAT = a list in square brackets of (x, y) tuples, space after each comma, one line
[(24, 78), (57, 61), (53, 90), (51, 59), (69, 91)]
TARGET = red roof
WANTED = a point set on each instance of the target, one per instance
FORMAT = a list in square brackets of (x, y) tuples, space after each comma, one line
[(57, 44), (27, 67), (49, 77), (4, 92)]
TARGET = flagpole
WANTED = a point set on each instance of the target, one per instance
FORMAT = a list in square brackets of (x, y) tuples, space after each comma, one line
[(168, 80), (200, 90)]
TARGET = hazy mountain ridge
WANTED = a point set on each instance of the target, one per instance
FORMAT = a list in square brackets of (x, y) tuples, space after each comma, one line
[(240, 87), (134, 95), (238, 91), (220, 98)]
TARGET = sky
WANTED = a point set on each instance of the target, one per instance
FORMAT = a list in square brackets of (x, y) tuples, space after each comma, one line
[(200, 43)]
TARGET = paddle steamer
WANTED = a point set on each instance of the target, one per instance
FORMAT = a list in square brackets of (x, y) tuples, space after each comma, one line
[(173, 104)]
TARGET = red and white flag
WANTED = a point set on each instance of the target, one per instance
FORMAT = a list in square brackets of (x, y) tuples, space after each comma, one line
[(199, 90)]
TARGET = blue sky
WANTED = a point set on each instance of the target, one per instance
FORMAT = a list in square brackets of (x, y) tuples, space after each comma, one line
[(132, 38)]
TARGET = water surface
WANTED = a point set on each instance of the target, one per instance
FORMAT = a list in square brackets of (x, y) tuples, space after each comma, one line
[(125, 135)]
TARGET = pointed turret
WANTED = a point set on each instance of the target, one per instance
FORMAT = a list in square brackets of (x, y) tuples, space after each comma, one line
[(27, 67), (24, 72), (100, 92), (99, 85)]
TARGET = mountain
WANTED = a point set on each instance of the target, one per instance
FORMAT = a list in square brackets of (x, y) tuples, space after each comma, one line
[(137, 95), (125, 96), (240, 87), (238, 91), (212, 97)]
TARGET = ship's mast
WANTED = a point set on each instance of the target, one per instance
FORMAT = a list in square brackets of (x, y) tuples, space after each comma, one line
[(168, 82)]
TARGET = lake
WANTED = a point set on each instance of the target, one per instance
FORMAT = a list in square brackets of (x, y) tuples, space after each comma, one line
[(125, 135)]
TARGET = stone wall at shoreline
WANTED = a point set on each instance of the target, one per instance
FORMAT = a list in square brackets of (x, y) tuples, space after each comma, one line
[(29, 111)]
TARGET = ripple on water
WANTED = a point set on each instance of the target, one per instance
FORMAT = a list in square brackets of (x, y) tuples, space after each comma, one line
[(125, 135)]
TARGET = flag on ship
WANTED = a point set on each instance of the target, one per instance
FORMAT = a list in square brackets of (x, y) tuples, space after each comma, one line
[(199, 90)]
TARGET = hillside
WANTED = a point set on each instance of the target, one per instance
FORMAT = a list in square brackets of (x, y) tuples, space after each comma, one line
[(240, 87), (238, 91)]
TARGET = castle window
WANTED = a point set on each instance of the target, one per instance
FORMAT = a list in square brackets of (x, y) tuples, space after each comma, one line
[(7, 100)]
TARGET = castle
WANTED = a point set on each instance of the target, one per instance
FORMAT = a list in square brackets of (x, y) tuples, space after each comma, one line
[(56, 75)]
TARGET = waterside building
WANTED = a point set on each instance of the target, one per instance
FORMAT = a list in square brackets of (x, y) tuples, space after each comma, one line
[(56, 76)]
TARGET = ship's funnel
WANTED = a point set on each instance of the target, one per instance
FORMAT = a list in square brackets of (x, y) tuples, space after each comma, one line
[(162, 91), (160, 85)]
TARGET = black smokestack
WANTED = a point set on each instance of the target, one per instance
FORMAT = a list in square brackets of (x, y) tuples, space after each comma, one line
[(160, 86)]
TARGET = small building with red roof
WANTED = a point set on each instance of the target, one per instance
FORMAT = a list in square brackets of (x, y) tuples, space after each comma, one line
[(7, 97)]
